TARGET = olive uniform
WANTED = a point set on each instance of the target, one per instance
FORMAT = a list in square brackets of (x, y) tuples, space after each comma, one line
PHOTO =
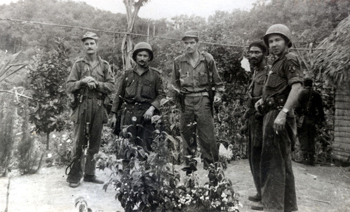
[(89, 112), (255, 124), (193, 85), (311, 106), (277, 178), (135, 94)]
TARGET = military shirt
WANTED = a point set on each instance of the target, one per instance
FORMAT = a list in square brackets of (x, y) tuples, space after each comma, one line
[(284, 72), (101, 72), (258, 81), (189, 79), (144, 88)]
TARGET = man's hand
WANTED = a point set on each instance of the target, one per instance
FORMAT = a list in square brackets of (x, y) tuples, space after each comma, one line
[(257, 104), (114, 120), (149, 113), (88, 79), (91, 85), (280, 122)]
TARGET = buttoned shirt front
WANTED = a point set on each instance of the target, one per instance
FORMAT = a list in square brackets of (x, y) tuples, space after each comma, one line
[(193, 79), (101, 72), (146, 87), (258, 81)]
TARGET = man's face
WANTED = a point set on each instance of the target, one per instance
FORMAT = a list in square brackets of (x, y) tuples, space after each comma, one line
[(277, 44), (143, 58), (256, 55), (191, 45), (90, 46)]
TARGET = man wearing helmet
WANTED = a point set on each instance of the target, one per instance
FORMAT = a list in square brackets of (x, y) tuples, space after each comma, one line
[(138, 95), (280, 94), (194, 78), (90, 81)]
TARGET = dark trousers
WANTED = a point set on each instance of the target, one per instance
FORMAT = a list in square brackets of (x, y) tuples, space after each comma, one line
[(307, 135), (93, 112), (254, 149), (197, 127), (140, 128), (277, 178)]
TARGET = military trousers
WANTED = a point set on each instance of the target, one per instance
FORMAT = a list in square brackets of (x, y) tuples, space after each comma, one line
[(197, 127), (277, 178), (140, 128), (88, 119), (255, 136), (307, 135)]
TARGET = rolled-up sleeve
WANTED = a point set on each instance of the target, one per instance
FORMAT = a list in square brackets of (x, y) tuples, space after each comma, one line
[(293, 71)]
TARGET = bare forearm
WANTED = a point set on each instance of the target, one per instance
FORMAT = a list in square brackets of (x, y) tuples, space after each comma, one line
[(293, 96)]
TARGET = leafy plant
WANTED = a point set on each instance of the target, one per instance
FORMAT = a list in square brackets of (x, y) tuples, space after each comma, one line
[(149, 181), (28, 152), (49, 98), (7, 120)]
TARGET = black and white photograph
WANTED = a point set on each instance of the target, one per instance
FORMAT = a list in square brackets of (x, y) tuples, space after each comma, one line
[(174, 105)]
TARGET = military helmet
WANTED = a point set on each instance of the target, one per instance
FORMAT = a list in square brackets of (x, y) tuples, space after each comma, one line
[(89, 35), (142, 46), (279, 29)]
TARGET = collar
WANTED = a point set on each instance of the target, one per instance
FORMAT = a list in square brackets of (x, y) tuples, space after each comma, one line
[(261, 66), (135, 70), (99, 59), (186, 57), (282, 56)]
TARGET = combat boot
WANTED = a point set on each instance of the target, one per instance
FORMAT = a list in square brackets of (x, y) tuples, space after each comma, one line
[(92, 179), (312, 160)]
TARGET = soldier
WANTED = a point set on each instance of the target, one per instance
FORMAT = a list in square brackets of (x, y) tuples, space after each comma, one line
[(311, 108), (138, 95), (280, 94), (257, 52), (194, 78), (90, 81)]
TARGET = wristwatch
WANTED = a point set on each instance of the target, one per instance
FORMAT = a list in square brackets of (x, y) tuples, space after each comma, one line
[(285, 110)]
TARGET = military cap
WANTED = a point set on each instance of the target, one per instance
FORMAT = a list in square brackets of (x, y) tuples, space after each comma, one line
[(90, 35), (191, 34)]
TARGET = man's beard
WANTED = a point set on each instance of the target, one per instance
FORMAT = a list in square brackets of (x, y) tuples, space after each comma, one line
[(255, 62)]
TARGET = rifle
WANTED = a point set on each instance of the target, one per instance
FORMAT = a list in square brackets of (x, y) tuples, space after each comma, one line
[(211, 92), (79, 162)]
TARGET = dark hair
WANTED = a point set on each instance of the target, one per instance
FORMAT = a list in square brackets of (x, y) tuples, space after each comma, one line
[(260, 44)]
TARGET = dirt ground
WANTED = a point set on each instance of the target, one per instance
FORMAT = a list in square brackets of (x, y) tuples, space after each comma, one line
[(319, 189)]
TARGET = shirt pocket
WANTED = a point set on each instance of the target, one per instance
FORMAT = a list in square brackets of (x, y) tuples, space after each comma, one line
[(98, 74), (147, 90), (130, 89), (203, 78), (260, 80), (274, 81)]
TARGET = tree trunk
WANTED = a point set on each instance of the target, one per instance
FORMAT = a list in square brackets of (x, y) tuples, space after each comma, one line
[(127, 45), (47, 141)]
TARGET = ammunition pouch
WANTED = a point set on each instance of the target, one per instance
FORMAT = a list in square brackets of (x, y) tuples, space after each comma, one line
[(79, 96), (273, 103)]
